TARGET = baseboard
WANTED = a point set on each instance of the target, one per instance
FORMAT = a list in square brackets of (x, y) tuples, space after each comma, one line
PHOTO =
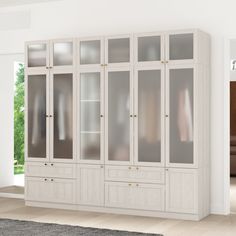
[(168, 215)]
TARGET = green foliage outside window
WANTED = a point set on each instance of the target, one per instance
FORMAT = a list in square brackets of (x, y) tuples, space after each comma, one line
[(19, 121)]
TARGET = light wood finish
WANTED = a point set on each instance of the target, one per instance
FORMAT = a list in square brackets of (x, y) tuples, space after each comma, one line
[(211, 226)]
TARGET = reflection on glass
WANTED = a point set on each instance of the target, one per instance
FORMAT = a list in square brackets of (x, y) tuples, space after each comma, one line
[(118, 116), (149, 116), (181, 116), (90, 146), (181, 46), (118, 50), (37, 54), (90, 52), (149, 48), (63, 116), (37, 116), (90, 86), (63, 54), (90, 115)]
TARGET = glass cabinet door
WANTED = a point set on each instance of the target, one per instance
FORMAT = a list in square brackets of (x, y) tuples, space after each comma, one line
[(90, 112), (37, 55), (119, 110), (181, 46), (90, 52), (181, 116), (149, 115), (36, 116), (62, 53), (63, 116), (118, 50), (148, 48)]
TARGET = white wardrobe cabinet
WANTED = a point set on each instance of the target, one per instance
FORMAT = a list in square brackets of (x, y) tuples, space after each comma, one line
[(121, 123)]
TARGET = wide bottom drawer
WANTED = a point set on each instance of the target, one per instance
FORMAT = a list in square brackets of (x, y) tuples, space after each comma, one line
[(50, 190), (134, 196)]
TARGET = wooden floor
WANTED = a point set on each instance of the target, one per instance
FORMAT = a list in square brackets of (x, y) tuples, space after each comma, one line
[(211, 226), (12, 189)]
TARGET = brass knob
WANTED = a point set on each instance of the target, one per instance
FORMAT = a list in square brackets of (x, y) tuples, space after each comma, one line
[(137, 185), (45, 164), (137, 168), (101, 167), (131, 115), (52, 164), (101, 116), (129, 167), (130, 184), (45, 179), (52, 180)]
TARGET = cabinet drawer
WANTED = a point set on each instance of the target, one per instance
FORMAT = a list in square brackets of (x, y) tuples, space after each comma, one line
[(134, 196), (54, 170), (50, 190), (135, 174)]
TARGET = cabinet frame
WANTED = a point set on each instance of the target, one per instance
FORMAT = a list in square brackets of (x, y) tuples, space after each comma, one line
[(138, 68), (119, 64), (102, 52), (91, 69), (58, 71), (119, 69), (162, 49), (29, 72), (195, 115)]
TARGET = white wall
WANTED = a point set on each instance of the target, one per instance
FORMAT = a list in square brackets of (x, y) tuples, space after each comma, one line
[(6, 118), (70, 18)]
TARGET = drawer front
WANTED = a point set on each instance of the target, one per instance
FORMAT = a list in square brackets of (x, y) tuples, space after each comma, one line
[(134, 196), (54, 170), (50, 190), (135, 174)]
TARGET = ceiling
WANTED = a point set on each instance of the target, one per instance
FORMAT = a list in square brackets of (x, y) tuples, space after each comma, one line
[(8, 3)]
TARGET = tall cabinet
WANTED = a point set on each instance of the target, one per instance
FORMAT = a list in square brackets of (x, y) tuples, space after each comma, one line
[(50, 121), (139, 123)]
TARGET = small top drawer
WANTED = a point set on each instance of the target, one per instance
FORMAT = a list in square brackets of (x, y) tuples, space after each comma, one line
[(54, 170), (135, 174)]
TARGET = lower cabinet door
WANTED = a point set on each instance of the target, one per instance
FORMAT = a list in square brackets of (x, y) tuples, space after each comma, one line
[(181, 190), (91, 185), (134, 196), (50, 190)]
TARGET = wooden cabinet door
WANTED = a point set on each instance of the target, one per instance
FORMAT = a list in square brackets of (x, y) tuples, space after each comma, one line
[(91, 185), (181, 190), (134, 196)]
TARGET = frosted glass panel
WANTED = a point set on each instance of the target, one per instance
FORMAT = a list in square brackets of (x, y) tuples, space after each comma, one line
[(118, 50), (90, 52), (119, 116), (149, 48), (63, 54), (63, 116), (149, 116), (90, 116), (90, 146), (37, 54), (181, 116), (90, 86), (181, 46), (37, 116)]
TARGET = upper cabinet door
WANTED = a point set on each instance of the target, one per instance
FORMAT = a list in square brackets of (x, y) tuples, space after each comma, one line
[(119, 50), (90, 115), (149, 116), (149, 49), (180, 117), (37, 116), (119, 116), (62, 117), (91, 52), (180, 47), (62, 53), (37, 54)]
